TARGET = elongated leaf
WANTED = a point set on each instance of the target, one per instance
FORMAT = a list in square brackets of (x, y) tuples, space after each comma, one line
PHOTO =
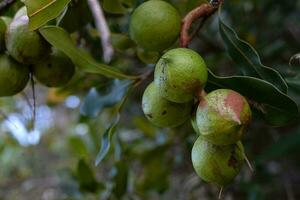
[(284, 146), (120, 179), (247, 59), (42, 11), (96, 101), (77, 145), (86, 178), (294, 83), (108, 135), (106, 140), (294, 88), (71, 20), (61, 40), (276, 107)]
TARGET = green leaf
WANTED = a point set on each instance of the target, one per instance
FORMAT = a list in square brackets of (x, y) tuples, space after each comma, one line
[(71, 20), (155, 178), (61, 40), (117, 6), (247, 59), (294, 83), (96, 101), (120, 179), (86, 178), (294, 88), (277, 108), (106, 140), (283, 146), (77, 146), (109, 133), (42, 11)]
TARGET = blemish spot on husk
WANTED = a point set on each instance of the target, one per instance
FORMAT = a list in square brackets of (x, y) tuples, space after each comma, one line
[(236, 102), (150, 115), (232, 162)]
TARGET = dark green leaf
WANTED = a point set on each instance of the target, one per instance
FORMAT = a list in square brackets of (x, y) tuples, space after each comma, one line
[(86, 177), (247, 59), (154, 177), (276, 107), (71, 20), (61, 40), (191, 4), (78, 146), (294, 88), (96, 101), (42, 11), (283, 146), (120, 179), (108, 135)]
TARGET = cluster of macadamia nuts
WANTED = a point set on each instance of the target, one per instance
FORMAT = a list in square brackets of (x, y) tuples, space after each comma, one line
[(221, 117), (23, 52)]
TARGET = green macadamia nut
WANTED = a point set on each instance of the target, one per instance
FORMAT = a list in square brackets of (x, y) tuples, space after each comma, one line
[(55, 70), (223, 117), (180, 75), (155, 25), (23, 45), (162, 112), (217, 164), (13, 76)]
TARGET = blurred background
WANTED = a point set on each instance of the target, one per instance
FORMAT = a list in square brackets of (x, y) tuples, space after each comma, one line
[(55, 160)]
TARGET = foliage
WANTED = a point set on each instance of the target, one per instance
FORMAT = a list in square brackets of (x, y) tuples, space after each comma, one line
[(135, 159)]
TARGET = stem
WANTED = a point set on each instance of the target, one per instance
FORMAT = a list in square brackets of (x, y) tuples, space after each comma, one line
[(34, 99), (220, 193), (205, 11), (201, 95), (103, 29), (248, 163)]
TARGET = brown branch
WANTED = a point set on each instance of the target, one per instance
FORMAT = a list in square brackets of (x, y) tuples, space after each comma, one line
[(205, 11), (103, 30)]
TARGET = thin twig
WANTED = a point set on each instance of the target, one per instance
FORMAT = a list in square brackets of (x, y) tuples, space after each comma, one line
[(220, 193), (205, 11), (5, 3), (248, 163), (103, 29), (34, 99), (26, 99)]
